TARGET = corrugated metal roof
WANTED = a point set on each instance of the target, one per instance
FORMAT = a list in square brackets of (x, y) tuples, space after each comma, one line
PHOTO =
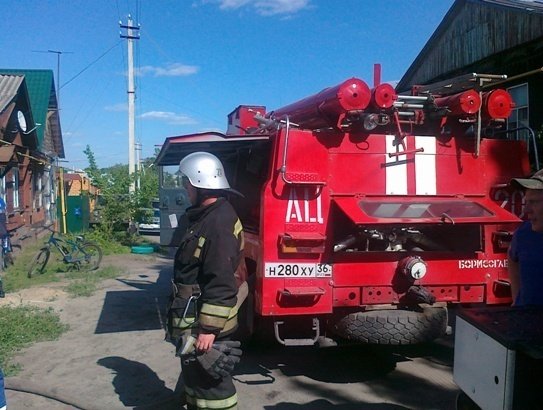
[(535, 6), (42, 94), (9, 87), (43, 98)]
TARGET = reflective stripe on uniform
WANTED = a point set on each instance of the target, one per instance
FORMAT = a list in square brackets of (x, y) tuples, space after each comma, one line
[(198, 250), (216, 404), (183, 322), (238, 228), (218, 316)]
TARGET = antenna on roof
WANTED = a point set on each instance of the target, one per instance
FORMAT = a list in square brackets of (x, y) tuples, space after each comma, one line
[(58, 53)]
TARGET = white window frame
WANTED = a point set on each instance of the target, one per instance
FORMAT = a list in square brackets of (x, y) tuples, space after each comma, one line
[(37, 187), (514, 117), (15, 180)]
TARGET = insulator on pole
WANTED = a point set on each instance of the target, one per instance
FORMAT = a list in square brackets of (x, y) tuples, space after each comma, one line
[(497, 104), (326, 108), (464, 103)]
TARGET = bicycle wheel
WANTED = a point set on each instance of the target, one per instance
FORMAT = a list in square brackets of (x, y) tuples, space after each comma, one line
[(92, 256), (39, 262)]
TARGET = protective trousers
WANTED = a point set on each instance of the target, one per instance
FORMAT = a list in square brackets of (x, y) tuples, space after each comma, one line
[(204, 392)]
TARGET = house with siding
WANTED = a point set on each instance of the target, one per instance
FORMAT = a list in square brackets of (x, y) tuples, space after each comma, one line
[(30, 144), (491, 37)]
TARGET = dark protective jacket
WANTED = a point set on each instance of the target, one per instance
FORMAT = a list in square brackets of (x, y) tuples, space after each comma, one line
[(208, 256)]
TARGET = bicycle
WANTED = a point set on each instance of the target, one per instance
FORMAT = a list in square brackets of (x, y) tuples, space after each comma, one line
[(78, 253)]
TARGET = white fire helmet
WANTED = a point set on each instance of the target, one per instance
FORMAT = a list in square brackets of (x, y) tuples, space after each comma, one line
[(204, 170)]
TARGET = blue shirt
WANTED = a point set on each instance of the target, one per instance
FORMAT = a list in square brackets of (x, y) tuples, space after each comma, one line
[(2, 392), (527, 250)]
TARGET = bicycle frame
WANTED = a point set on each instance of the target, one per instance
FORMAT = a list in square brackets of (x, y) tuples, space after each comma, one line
[(66, 247)]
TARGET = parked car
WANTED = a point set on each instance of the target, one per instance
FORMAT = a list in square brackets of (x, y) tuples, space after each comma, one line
[(150, 221)]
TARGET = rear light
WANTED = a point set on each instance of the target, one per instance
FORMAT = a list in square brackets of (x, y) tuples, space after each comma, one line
[(301, 242), (502, 239)]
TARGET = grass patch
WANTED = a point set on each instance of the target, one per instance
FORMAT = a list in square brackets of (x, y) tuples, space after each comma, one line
[(85, 283), (16, 276), (23, 325)]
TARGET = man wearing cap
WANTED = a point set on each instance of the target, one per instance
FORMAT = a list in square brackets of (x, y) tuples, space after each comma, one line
[(525, 253), (203, 309)]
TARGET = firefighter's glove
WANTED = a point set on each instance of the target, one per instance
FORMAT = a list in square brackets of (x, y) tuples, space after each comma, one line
[(229, 347), (217, 364)]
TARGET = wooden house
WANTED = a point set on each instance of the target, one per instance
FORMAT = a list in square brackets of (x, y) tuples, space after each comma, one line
[(490, 37), (30, 143)]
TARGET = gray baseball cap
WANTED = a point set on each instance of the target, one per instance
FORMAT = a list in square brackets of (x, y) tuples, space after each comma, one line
[(534, 182)]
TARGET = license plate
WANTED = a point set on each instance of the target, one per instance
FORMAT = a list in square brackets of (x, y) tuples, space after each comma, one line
[(297, 270)]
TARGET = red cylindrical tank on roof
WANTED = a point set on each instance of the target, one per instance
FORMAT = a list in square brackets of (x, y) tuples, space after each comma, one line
[(466, 102), (324, 109), (383, 96), (497, 104)]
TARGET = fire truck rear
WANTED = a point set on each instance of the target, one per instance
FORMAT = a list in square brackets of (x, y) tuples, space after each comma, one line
[(367, 213)]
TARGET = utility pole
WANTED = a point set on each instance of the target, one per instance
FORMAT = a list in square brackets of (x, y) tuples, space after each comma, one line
[(138, 162), (132, 33)]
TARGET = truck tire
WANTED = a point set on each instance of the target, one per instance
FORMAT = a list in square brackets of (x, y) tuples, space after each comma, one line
[(393, 327)]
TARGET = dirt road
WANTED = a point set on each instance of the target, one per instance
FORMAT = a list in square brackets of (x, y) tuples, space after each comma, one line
[(114, 357)]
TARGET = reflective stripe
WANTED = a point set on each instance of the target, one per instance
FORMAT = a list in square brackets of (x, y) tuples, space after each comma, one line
[(222, 317), (198, 250), (188, 347), (216, 404), (230, 324), (183, 323), (216, 310), (237, 228)]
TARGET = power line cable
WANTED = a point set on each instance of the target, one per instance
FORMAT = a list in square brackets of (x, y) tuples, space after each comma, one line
[(90, 65)]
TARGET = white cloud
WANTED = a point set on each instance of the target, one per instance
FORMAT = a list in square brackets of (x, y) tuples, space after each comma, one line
[(171, 70), (233, 4), (264, 7), (116, 107), (168, 117), (273, 7)]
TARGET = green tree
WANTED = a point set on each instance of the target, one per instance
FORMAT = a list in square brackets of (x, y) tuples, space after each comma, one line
[(120, 207)]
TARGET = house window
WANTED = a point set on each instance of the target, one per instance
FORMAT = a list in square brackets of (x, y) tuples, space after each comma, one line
[(519, 116), (37, 178), (3, 188), (15, 185)]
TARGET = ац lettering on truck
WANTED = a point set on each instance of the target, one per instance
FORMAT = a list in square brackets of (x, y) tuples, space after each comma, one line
[(366, 213)]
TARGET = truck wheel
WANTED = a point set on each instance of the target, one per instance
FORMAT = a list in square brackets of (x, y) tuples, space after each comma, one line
[(246, 314), (393, 327)]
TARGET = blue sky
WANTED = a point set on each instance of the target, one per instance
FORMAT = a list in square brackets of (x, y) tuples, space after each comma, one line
[(197, 60)]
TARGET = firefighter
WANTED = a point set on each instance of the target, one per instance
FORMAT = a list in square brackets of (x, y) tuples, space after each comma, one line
[(524, 256), (203, 309)]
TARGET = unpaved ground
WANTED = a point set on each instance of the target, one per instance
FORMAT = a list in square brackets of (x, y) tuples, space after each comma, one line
[(114, 357)]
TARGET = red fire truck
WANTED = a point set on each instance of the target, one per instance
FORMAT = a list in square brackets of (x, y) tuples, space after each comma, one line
[(367, 213)]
